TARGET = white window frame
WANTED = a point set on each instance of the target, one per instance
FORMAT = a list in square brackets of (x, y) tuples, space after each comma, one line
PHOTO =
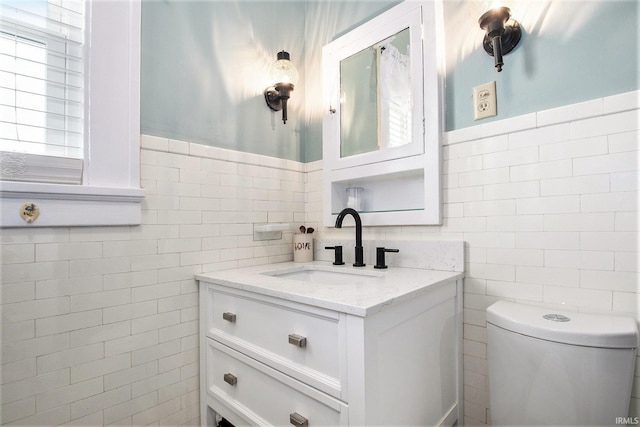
[(110, 193)]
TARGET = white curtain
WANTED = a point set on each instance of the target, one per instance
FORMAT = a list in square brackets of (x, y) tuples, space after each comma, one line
[(394, 88)]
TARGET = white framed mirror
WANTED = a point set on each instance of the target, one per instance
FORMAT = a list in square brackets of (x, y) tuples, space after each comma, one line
[(373, 75)]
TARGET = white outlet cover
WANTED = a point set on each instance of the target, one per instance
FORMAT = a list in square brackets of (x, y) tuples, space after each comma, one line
[(484, 101)]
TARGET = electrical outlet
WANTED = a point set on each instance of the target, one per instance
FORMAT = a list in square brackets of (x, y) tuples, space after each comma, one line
[(484, 101)]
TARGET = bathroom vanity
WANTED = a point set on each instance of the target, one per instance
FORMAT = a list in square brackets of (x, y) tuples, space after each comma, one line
[(317, 344)]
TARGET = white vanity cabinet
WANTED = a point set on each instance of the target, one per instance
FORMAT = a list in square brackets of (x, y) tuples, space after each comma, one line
[(275, 357)]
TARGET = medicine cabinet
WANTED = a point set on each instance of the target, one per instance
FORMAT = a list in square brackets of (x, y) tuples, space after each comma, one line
[(382, 118)]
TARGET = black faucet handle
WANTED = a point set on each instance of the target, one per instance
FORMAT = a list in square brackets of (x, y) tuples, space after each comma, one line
[(380, 251), (337, 255)]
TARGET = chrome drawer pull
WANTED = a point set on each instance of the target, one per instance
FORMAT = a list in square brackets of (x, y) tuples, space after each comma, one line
[(298, 420), (230, 379), (297, 340), (231, 317)]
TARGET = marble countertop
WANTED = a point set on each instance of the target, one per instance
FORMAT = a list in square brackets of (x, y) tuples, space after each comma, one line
[(359, 291)]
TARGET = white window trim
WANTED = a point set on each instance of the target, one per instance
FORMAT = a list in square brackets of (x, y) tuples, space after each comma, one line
[(110, 193)]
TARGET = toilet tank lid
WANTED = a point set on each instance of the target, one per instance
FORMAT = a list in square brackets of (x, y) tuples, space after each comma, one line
[(593, 330)]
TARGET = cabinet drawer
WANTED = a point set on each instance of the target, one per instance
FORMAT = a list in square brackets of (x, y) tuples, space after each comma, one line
[(264, 396), (293, 336)]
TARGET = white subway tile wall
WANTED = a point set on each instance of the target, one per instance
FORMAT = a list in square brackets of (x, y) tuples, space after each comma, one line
[(99, 324), (547, 204)]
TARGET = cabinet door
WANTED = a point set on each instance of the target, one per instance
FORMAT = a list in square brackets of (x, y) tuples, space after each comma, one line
[(374, 77)]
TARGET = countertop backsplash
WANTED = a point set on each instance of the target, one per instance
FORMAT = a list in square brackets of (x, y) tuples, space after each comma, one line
[(446, 255)]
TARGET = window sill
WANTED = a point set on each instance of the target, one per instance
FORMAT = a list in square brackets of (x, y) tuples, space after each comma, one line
[(70, 205)]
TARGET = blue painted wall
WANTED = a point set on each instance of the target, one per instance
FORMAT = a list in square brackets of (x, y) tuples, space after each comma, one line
[(571, 51), (204, 64), (204, 69)]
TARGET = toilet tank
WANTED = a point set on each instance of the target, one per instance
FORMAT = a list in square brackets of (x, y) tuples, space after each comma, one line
[(558, 368)]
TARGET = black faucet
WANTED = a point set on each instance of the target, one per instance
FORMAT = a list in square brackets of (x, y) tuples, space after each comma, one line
[(359, 252)]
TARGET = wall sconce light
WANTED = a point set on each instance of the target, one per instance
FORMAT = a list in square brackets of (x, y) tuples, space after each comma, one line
[(284, 76), (500, 39)]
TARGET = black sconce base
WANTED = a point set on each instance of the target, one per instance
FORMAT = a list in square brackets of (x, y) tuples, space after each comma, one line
[(272, 96), (277, 96), (510, 39)]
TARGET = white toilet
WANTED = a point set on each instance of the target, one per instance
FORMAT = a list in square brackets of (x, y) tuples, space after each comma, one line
[(551, 368)]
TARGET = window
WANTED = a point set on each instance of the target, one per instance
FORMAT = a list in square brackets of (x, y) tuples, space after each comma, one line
[(42, 88), (70, 114), (22, 84)]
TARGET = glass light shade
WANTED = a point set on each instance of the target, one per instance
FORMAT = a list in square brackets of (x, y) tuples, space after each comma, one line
[(283, 70)]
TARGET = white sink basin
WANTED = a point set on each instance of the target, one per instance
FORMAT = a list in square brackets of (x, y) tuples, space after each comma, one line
[(326, 275)]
